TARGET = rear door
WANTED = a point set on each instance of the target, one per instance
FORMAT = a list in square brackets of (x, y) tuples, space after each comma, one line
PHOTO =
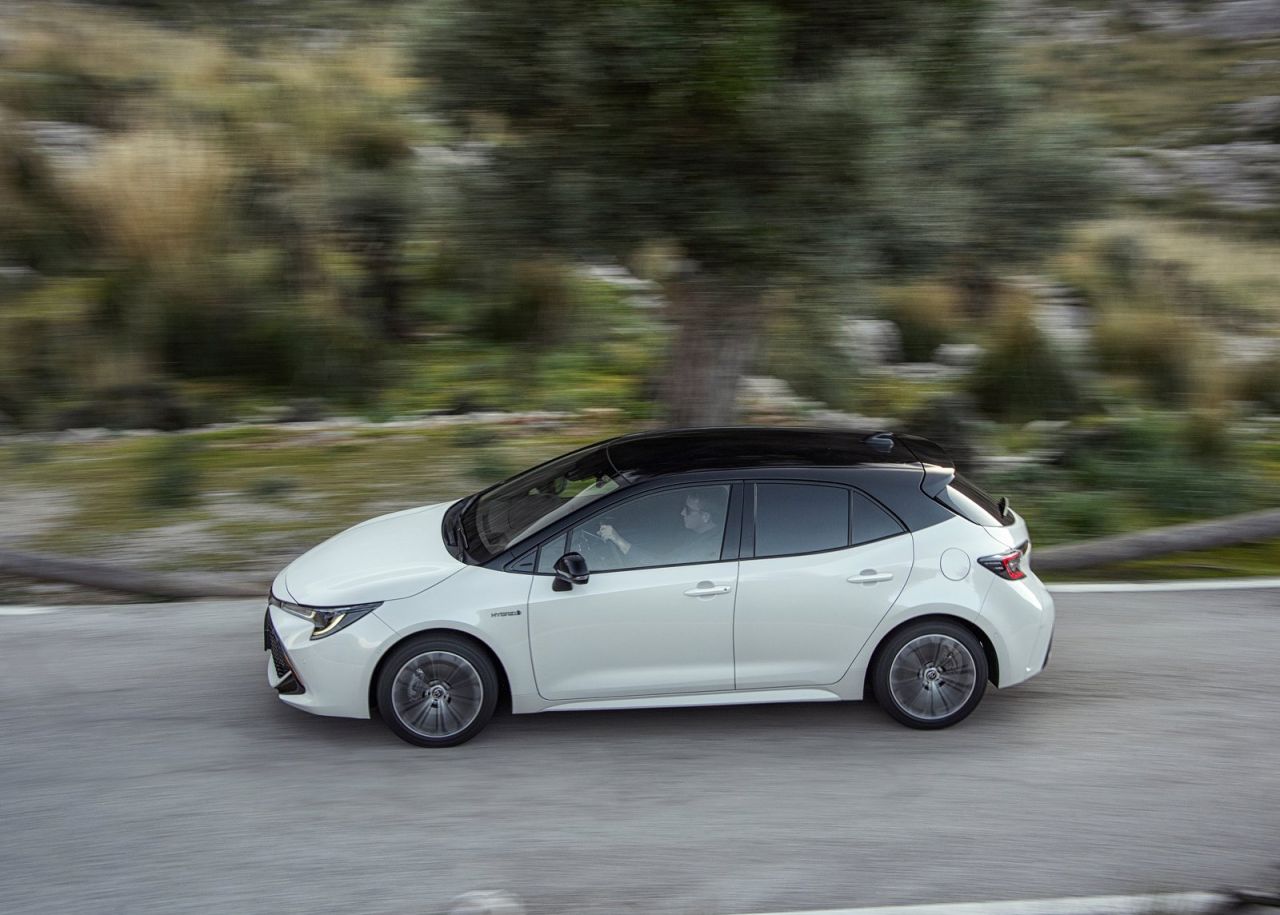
[(821, 566)]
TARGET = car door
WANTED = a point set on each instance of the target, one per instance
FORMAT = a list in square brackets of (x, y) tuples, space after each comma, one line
[(653, 619), (821, 566)]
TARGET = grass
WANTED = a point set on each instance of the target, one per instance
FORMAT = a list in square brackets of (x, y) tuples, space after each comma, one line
[(1243, 274), (1150, 86), (241, 517), (1246, 560)]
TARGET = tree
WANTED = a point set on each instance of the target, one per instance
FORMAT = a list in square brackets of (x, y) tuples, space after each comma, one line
[(770, 142)]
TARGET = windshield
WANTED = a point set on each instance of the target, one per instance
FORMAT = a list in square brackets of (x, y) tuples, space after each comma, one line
[(526, 503)]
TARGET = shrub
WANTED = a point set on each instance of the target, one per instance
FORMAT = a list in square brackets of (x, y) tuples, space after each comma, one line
[(271, 487), (1166, 460), (1166, 351), (169, 473), (925, 315), (1020, 376), (1259, 382), (156, 196)]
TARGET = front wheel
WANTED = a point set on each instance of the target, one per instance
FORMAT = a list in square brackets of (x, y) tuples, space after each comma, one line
[(437, 691), (930, 675)]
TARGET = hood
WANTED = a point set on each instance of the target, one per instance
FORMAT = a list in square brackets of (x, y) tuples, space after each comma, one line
[(384, 558)]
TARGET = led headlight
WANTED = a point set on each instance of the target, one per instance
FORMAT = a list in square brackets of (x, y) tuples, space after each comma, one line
[(325, 620)]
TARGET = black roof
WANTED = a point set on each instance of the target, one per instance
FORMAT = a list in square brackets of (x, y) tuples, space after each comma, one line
[(648, 454)]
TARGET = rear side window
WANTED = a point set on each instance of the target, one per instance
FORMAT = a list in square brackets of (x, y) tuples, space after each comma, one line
[(870, 521), (796, 518), (968, 501)]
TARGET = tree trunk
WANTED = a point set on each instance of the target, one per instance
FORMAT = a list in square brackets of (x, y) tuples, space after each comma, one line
[(716, 328)]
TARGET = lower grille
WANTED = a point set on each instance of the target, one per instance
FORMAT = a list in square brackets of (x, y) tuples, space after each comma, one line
[(271, 642)]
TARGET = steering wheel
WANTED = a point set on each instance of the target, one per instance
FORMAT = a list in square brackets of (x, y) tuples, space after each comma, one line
[(598, 551)]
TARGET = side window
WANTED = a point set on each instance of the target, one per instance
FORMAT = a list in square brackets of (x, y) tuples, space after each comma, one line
[(550, 552), (800, 518), (670, 527), (870, 521)]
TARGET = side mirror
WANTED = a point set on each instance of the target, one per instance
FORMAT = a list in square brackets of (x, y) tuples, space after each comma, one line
[(570, 569)]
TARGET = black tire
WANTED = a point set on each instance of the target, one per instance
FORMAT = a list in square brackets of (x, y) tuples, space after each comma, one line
[(930, 700), (442, 688)]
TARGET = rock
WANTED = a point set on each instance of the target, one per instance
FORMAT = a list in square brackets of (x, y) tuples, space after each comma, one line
[(1237, 20), (1249, 349), (961, 355), (1241, 176), (772, 395), (1068, 327), (64, 143), (304, 410), (870, 341), (1257, 117), (920, 371), (1251, 68)]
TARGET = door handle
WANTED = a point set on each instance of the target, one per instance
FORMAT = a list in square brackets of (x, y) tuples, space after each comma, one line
[(869, 576), (707, 592)]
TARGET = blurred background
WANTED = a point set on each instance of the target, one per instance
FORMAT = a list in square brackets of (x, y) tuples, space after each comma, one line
[(270, 267)]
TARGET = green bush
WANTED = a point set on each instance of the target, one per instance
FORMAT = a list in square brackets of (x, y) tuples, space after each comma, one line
[(1164, 350), (1163, 459), (1021, 376), (925, 315), (1259, 383), (169, 474), (271, 488)]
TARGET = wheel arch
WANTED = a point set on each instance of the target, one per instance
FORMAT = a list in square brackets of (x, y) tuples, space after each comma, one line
[(988, 647), (504, 681)]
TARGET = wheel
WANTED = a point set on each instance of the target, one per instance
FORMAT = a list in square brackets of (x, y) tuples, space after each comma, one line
[(930, 675), (437, 691)]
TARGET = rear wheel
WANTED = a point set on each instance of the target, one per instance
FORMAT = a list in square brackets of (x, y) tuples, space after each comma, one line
[(931, 674), (437, 691)]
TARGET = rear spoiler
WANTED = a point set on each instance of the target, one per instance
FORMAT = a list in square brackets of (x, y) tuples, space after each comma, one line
[(939, 468)]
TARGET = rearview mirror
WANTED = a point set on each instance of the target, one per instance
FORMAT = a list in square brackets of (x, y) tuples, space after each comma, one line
[(570, 569)]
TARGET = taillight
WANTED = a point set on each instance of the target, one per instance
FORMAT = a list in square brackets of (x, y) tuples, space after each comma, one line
[(1006, 565)]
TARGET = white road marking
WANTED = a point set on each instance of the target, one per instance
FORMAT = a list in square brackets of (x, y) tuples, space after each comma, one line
[(1171, 903), (30, 611), (1200, 584)]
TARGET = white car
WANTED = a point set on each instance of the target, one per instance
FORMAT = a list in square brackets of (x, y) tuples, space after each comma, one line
[(693, 567)]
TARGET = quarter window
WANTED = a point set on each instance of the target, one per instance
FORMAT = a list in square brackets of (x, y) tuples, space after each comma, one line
[(551, 551), (870, 521), (796, 518)]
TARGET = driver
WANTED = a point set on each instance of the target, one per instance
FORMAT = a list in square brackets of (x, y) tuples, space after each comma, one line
[(699, 540)]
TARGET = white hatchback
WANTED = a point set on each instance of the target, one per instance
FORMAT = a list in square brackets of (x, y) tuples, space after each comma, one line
[(693, 567)]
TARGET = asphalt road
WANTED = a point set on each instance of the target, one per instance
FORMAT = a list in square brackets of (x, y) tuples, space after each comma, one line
[(146, 767)]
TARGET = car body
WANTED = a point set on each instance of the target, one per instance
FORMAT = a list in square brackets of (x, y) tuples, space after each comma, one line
[(805, 565)]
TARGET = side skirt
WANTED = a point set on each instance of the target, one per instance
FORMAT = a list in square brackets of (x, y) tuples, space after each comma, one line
[(737, 697)]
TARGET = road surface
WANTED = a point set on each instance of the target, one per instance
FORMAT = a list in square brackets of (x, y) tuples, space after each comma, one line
[(146, 767)]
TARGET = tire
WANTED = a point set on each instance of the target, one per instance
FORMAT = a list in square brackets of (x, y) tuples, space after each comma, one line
[(930, 674), (437, 691)]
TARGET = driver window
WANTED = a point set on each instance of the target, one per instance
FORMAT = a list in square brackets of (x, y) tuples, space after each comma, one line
[(671, 527)]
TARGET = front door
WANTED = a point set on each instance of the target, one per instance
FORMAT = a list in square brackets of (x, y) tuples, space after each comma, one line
[(656, 616)]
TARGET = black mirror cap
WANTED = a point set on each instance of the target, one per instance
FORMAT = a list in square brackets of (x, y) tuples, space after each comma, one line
[(570, 569)]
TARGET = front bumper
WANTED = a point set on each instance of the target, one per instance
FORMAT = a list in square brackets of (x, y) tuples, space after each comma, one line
[(328, 676)]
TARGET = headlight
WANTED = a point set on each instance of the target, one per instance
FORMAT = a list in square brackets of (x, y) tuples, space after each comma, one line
[(325, 620)]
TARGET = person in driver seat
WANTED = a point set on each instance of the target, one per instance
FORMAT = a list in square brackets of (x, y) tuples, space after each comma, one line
[(699, 540)]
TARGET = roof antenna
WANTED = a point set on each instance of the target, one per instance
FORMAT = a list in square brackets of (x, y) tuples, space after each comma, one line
[(880, 441)]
